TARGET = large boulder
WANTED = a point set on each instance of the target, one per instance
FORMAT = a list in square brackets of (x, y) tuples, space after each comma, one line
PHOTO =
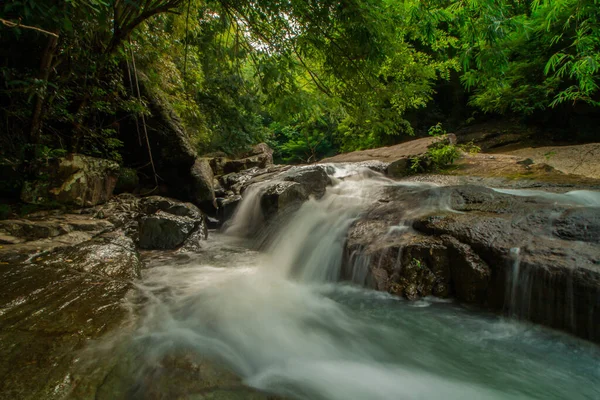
[(529, 257), (164, 231), (174, 159), (272, 192), (202, 191), (75, 179), (286, 191), (168, 224)]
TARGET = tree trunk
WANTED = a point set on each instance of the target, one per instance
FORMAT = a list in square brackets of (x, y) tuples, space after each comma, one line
[(44, 75)]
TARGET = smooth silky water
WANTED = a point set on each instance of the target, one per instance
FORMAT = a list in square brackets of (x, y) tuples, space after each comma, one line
[(278, 319)]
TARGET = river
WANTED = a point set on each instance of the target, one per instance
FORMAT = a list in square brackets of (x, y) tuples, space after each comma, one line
[(277, 318)]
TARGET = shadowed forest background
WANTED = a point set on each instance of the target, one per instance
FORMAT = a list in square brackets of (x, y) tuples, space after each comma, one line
[(310, 78)]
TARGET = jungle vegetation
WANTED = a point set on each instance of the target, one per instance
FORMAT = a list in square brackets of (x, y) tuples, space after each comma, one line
[(309, 77)]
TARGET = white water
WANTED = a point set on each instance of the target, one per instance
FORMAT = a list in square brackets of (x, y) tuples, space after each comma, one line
[(278, 321)]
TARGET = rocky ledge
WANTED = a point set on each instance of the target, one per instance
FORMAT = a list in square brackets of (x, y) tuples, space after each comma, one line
[(529, 257), (66, 280)]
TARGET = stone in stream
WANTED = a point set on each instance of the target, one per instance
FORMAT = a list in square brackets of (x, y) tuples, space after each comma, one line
[(467, 238), (168, 224)]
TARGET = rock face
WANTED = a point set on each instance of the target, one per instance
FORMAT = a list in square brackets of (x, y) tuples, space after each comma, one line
[(260, 156), (181, 172), (527, 257), (75, 179), (65, 281)]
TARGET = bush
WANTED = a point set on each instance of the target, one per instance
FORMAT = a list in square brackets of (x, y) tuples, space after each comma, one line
[(439, 155)]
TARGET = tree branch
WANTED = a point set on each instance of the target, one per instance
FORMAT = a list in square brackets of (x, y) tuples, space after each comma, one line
[(11, 24)]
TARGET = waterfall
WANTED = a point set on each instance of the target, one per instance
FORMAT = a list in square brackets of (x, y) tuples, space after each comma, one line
[(279, 319)]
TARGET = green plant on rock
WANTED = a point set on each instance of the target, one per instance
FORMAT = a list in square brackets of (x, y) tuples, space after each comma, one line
[(439, 155)]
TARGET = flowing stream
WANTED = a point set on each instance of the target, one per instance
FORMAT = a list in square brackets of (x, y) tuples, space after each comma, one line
[(278, 319)]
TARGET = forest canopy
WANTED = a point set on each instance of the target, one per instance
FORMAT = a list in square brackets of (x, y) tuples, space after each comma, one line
[(311, 78)]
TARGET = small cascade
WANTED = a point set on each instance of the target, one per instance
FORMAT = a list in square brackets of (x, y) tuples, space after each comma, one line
[(310, 245), (514, 293), (248, 216)]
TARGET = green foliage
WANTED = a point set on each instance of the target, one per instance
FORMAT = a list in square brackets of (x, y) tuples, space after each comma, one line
[(439, 155), (311, 78)]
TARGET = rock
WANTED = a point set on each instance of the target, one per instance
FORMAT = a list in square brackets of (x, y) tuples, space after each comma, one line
[(286, 191), (526, 256), (469, 273), (75, 179), (201, 185), (260, 156), (112, 255), (184, 175), (53, 306), (280, 196), (386, 154), (155, 222), (314, 180), (27, 236), (399, 168), (164, 231), (152, 204), (217, 164)]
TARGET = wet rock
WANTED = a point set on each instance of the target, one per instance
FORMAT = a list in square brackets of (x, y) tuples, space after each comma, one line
[(399, 168), (24, 237), (152, 204), (227, 206), (288, 190), (75, 179), (314, 180), (470, 274), (526, 256), (180, 375), (280, 196), (164, 231), (50, 311), (581, 224), (112, 255)]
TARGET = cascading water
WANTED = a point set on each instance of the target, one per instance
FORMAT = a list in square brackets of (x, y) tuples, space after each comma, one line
[(278, 320)]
